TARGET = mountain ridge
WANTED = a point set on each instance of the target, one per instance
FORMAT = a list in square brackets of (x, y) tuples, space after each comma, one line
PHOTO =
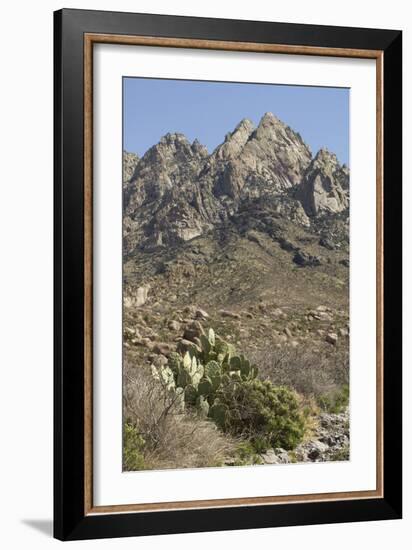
[(178, 191)]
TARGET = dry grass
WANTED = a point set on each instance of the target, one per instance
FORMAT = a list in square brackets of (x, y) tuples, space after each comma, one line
[(307, 371), (173, 438)]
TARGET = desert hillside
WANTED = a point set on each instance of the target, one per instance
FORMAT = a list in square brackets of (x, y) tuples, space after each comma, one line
[(251, 241)]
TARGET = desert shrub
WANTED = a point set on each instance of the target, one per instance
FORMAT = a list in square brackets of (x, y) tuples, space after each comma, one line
[(133, 449), (246, 455), (170, 435), (222, 385), (340, 454), (335, 401), (305, 370), (268, 416)]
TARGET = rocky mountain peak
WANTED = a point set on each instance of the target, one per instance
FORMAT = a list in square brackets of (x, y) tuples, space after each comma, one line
[(177, 191), (273, 159), (199, 149), (245, 126), (174, 138), (169, 155), (173, 143), (325, 160), (325, 186), (235, 141), (270, 119), (271, 128)]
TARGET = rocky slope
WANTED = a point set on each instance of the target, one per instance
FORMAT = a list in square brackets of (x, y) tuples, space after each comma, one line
[(255, 228), (330, 442)]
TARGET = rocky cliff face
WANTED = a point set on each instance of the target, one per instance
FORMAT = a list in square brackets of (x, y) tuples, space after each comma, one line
[(178, 191), (325, 185), (130, 161)]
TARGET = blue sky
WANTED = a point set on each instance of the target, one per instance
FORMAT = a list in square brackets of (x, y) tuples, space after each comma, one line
[(208, 110)]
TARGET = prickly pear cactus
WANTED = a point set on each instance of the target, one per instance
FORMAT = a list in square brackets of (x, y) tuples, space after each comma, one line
[(225, 379), (197, 377), (190, 394), (206, 346), (223, 350), (202, 406), (212, 369), (174, 362), (196, 371), (204, 373), (205, 387), (218, 412), (183, 378), (212, 338), (187, 361), (235, 362), (167, 377), (192, 348), (235, 376)]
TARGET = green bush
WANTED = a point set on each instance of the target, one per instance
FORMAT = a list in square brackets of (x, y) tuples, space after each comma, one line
[(133, 445), (341, 454), (246, 455), (267, 415), (336, 401)]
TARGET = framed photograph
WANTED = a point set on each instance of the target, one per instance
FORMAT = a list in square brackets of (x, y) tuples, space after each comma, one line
[(227, 274)]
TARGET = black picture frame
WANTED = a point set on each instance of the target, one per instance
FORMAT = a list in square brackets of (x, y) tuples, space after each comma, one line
[(70, 520)]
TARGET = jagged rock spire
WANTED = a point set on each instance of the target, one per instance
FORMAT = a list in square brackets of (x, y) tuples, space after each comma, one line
[(177, 191), (325, 186), (235, 141)]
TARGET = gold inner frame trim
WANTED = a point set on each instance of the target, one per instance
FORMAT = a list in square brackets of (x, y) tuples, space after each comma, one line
[(89, 40)]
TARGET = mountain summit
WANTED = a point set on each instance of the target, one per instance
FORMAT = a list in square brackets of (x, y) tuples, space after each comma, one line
[(178, 191)]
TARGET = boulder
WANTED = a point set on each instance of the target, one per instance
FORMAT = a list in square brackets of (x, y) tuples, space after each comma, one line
[(282, 455), (162, 348), (331, 338), (193, 330), (270, 457), (173, 325), (306, 260), (327, 243), (231, 314), (201, 314), (137, 297), (147, 343), (128, 332), (316, 449)]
